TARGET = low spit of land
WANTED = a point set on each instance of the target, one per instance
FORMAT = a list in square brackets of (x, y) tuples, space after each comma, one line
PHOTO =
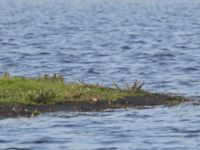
[(20, 96)]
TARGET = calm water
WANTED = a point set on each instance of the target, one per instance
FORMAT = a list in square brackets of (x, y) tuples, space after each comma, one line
[(105, 41)]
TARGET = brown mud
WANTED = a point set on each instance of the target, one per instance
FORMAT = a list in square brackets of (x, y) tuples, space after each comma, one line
[(10, 110)]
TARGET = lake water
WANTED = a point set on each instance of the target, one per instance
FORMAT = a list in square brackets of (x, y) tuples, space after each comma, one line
[(105, 41)]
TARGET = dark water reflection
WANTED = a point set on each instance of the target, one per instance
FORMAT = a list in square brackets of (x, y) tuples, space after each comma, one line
[(155, 41)]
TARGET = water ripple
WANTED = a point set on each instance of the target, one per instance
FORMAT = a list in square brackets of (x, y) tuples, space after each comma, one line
[(105, 41), (120, 41)]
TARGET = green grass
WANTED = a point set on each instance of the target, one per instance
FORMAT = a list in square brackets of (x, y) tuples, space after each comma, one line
[(52, 90)]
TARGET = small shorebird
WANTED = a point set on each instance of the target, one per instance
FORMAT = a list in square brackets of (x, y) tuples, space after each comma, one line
[(94, 98)]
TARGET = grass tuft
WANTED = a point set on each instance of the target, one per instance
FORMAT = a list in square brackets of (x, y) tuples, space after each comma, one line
[(52, 89)]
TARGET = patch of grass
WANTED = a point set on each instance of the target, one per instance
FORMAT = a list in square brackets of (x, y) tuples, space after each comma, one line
[(52, 89)]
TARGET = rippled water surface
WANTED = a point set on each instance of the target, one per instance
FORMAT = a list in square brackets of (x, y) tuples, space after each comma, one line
[(147, 129), (105, 41)]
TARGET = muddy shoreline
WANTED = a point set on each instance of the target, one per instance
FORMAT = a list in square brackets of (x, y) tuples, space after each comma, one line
[(7, 110), (28, 97)]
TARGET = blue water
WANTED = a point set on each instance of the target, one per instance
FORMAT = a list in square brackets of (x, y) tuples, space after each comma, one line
[(105, 41), (147, 129)]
